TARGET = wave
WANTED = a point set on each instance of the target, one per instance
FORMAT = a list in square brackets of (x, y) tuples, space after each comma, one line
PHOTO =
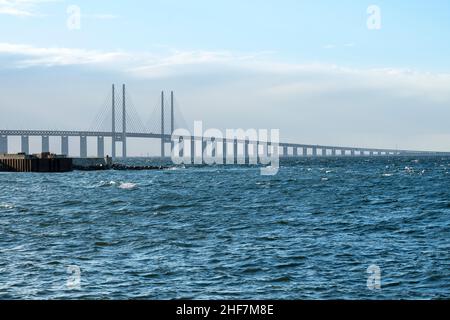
[(4, 205), (127, 186), (120, 185), (409, 169), (105, 184), (176, 168)]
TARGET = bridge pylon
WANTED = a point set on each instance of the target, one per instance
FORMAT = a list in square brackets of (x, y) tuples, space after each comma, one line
[(118, 136)]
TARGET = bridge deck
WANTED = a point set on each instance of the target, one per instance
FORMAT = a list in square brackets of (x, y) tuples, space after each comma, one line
[(167, 138)]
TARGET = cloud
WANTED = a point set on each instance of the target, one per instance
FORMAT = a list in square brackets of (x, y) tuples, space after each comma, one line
[(141, 64), (15, 12), (100, 16), (292, 78), (21, 8), (30, 56), (174, 62), (329, 46)]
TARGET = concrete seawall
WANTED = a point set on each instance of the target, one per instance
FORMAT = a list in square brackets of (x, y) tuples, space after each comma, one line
[(47, 162), (44, 162)]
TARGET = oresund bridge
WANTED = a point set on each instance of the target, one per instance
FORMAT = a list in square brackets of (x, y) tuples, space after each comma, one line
[(118, 123)]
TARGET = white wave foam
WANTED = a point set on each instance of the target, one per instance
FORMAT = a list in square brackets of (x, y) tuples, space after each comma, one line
[(4, 205), (106, 184), (409, 169), (387, 174), (127, 186), (177, 168)]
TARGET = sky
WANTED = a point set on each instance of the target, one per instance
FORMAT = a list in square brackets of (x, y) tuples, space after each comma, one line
[(351, 72)]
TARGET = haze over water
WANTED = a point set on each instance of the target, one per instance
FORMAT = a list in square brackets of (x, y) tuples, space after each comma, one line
[(227, 232)]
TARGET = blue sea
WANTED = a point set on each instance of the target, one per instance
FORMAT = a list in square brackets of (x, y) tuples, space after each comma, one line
[(226, 232)]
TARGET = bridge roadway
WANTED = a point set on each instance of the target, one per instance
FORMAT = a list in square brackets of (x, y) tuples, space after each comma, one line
[(343, 150)]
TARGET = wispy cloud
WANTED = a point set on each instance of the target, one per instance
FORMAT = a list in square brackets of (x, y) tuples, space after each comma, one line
[(100, 16), (31, 56), (293, 78), (139, 63), (11, 11), (22, 8), (329, 46)]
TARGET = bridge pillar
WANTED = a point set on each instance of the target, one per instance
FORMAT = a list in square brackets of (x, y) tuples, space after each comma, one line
[(100, 147), (124, 146), (213, 147), (379, 153), (237, 156), (261, 151), (229, 151), (113, 146), (45, 144), (295, 152), (314, 152), (25, 144), (192, 150), (352, 152), (198, 150), (266, 151), (224, 151), (246, 152), (276, 150), (3, 144), (361, 153), (305, 152), (324, 152), (204, 149), (285, 151), (333, 152), (181, 146), (65, 145), (83, 147), (371, 153), (253, 158)]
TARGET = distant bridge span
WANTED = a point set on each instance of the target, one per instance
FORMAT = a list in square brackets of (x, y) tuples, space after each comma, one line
[(305, 149), (285, 149)]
